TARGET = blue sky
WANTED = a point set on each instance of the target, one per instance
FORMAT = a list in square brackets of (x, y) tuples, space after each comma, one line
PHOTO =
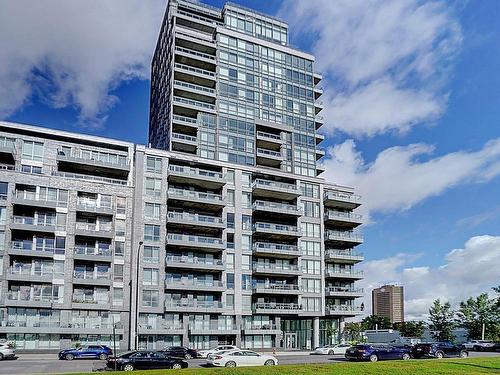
[(412, 95)]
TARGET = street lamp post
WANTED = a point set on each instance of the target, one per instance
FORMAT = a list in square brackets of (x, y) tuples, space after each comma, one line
[(136, 341)]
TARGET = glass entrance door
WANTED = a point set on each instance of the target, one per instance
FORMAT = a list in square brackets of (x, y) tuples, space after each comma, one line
[(291, 341)]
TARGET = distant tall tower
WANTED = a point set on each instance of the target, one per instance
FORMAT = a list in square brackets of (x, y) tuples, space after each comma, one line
[(388, 301)]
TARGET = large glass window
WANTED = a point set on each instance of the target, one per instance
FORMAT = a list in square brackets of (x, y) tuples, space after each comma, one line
[(152, 186), (152, 211), (150, 276), (150, 298), (151, 233), (153, 164), (32, 150), (151, 254)]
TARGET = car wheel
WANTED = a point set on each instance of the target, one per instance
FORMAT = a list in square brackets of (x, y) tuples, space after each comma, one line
[(176, 366), (69, 357), (269, 362), (231, 364), (103, 356), (128, 367), (439, 355), (463, 354), (406, 357), (373, 358), (1, 357), (188, 356), (331, 352)]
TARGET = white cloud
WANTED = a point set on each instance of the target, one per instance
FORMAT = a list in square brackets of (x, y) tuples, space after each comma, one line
[(403, 176), (385, 61), (467, 272), (74, 53)]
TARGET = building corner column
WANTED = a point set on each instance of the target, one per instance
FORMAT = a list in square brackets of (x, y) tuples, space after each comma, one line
[(315, 342)]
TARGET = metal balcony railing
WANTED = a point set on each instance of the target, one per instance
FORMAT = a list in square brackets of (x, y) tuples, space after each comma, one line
[(274, 184), (91, 250), (277, 306), (274, 247), (271, 286), (192, 69), (184, 137), (342, 196), (194, 283), (194, 260), (196, 195), (194, 87), (28, 245), (195, 172), (347, 216), (194, 218), (275, 267), (338, 235), (269, 153), (202, 240), (276, 206)]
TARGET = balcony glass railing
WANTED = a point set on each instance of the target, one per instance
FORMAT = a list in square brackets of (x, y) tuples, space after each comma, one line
[(172, 192), (277, 306), (274, 246), (342, 196), (30, 297), (93, 204), (185, 119), (200, 18), (345, 254), (347, 216), (94, 227), (28, 245), (28, 220), (276, 227), (195, 172), (192, 52), (269, 153), (269, 136), (212, 326), (192, 69), (91, 299), (92, 250), (195, 239), (276, 206), (91, 275), (159, 324), (196, 103), (285, 287), (78, 176), (194, 260), (193, 304), (191, 86), (336, 271), (95, 156), (274, 184), (344, 235), (343, 290), (194, 218), (343, 308), (32, 270), (275, 267), (184, 137), (192, 282)]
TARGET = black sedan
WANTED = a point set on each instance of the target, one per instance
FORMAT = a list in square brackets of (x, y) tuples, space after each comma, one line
[(145, 360), (180, 352), (439, 350), (375, 352)]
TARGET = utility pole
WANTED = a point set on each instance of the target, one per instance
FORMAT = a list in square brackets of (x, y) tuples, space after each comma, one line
[(483, 331)]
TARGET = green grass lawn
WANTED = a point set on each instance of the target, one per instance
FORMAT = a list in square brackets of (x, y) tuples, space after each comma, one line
[(471, 366)]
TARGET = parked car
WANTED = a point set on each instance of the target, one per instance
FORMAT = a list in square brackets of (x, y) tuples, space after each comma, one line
[(101, 352), (331, 349), (7, 351), (180, 351), (237, 358), (375, 352), (145, 360), (479, 345), (206, 353), (439, 350)]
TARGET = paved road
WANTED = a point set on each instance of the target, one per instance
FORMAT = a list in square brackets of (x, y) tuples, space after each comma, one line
[(47, 364)]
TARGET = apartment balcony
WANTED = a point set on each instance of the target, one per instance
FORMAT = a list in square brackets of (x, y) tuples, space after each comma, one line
[(94, 230), (195, 198), (91, 253), (31, 274), (343, 310), (275, 250), (320, 168), (184, 143), (344, 238), (29, 198), (270, 288), (195, 176), (195, 263), (317, 77), (318, 106), (195, 72), (88, 177), (91, 205), (198, 285), (185, 121), (319, 121), (210, 24), (80, 302), (319, 153), (318, 91), (343, 256), (87, 162), (195, 306), (276, 308), (31, 224), (337, 291), (343, 274), (7, 150), (269, 140), (188, 219), (276, 230), (189, 53), (213, 328), (3, 199), (199, 242), (341, 199), (92, 278), (161, 327), (263, 329), (18, 299), (28, 249), (274, 189), (278, 208), (269, 158), (194, 104), (200, 39), (198, 91), (319, 138), (276, 269), (343, 219)]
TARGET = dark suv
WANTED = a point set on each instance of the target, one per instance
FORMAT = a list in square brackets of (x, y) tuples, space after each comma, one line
[(375, 352), (180, 352), (439, 350)]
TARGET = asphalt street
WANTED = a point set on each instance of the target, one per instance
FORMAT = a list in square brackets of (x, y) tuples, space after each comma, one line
[(49, 364)]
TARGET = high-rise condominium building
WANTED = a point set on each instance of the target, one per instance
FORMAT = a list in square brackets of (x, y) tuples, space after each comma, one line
[(388, 301), (234, 237)]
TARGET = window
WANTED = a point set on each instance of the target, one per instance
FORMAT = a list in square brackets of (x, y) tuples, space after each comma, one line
[(230, 220), (310, 248), (4, 190), (230, 176), (246, 240), (118, 273), (3, 211), (117, 296), (246, 200), (153, 164), (310, 190), (1, 265), (150, 298), (119, 249), (311, 267), (151, 254), (230, 280), (230, 261), (246, 282), (245, 262), (151, 233), (230, 300), (230, 198), (311, 285), (311, 304), (152, 211), (32, 150), (311, 209), (120, 227), (152, 186), (121, 205), (31, 169), (246, 302), (246, 222), (150, 276), (246, 179), (310, 230)]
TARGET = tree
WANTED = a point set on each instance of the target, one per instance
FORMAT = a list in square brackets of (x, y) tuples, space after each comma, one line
[(441, 321), (476, 312), (352, 332), (376, 322), (410, 329)]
